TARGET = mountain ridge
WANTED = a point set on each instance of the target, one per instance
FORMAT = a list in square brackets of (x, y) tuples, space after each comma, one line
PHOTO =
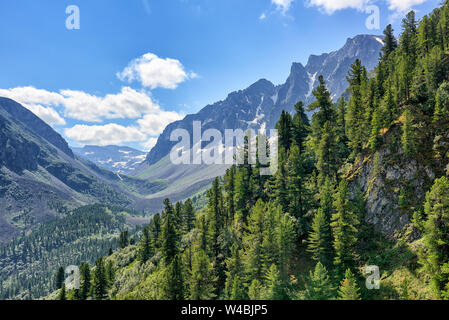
[(262, 102)]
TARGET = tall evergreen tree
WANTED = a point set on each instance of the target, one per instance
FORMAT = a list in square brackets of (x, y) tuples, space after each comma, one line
[(390, 42), (100, 283), (435, 258), (85, 281), (202, 278), (60, 277), (344, 229), (319, 285)]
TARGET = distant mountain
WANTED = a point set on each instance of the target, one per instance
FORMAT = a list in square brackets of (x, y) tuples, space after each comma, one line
[(258, 106), (261, 104), (114, 158), (41, 178)]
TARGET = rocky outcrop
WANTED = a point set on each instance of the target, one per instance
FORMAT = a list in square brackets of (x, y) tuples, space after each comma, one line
[(383, 177)]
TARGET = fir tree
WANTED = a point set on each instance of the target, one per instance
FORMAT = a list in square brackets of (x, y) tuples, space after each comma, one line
[(60, 277), (62, 293), (85, 281), (390, 42), (202, 278), (319, 285), (100, 283), (435, 258), (169, 234), (349, 289), (344, 229), (275, 290)]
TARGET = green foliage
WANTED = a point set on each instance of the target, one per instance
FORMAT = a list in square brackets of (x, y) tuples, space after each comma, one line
[(435, 258), (348, 288), (319, 285)]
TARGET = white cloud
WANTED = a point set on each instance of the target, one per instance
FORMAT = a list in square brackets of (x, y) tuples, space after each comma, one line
[(263, 16), (154, 124), (34, 100), (154, 72), (109, 134), (330, 6), (49, 115), (79, 105), (128, 104), (149, 144), (403, 5), (283, 5)]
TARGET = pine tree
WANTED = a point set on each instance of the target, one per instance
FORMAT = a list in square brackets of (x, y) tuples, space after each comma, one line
[(319, 285), (144, 246), (376, 125), (175, 287), (408, 138), (63, 293), (85, 281), (300, 126), (188, 215), (253, 242), (349, 289), (123, 240), (285, 130), (202, 278), (256, 290), (390, 42), (234, 276), (60, 277), (229, 187), (100, 283), (344, 229), (320, 242), (275, 290), (436, 230), (298, 195), (110, 273), (286, 239), (356, 109), (169, 234)]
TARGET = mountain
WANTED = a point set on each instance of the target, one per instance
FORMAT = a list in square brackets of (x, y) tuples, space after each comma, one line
[(258, 106), (41, 179), (114, 158)]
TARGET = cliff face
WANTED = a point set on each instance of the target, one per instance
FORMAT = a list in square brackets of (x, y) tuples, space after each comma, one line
[(394, 185)]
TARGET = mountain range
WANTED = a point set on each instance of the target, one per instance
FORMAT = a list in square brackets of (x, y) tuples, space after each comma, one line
[(118, 159), (257, 107)]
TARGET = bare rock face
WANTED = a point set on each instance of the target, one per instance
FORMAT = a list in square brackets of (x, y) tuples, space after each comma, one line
[(383, 177)]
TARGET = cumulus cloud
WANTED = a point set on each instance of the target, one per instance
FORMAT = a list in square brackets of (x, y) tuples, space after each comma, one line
[(127, 104), (79, 105), (154, 124), (282, 5), (403, 5), (109, 134), (149, 144), (154, 72), (330, 6), (40, 102)]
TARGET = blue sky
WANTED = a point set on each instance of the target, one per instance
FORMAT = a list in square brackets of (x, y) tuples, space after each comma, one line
[(136, 65)]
